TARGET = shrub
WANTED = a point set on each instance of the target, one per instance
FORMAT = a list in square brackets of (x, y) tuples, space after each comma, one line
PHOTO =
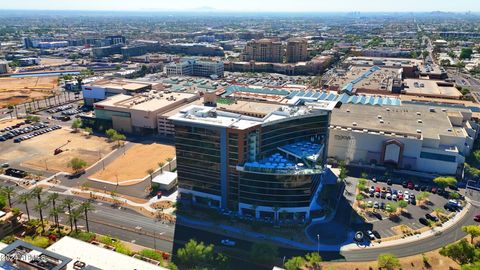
[(84, 236), (152, 254), (39, 241)]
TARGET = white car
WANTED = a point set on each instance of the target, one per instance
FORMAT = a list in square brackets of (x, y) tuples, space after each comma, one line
[(370, 235), (406, 197), (228, 242), (389, 196), (394, 197)]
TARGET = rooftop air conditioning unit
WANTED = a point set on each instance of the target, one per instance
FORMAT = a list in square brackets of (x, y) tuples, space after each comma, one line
[(354, 124), (419, 131)]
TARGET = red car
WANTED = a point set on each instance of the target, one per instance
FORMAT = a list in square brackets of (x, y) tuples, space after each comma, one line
[(410, 185), (434, 190), (477, 218), (377, 189)]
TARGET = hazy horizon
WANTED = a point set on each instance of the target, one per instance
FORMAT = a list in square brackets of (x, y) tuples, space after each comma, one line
[(252, 6)]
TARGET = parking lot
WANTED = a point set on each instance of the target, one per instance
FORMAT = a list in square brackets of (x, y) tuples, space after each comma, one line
[(377, 197)]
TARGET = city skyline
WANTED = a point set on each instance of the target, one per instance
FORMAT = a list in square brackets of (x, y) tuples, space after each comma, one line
[(250, 6)]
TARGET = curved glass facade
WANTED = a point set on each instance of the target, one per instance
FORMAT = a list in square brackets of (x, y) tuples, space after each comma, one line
[(275, 190)]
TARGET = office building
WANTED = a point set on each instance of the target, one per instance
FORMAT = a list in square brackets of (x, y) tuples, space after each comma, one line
[(268, 167), (213, 69), (200, 49), (263, 50), (100, 52), (4, 68), (117, 39), (296, 50), (424, 138)]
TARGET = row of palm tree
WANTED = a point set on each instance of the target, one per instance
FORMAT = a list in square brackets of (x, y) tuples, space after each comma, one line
[(75, 211)]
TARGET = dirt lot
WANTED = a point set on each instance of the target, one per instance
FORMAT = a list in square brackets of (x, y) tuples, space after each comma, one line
[(19, 90), (37, 153), (146, 156), (437, 262)]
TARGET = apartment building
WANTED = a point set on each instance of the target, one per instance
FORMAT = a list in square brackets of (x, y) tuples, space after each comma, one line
[(263, 50), (296, 50)]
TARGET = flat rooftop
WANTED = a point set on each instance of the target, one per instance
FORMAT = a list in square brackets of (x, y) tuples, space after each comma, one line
[(216, 117), (432, 88), (383, 61), (98, 257), (249, 107), (128, 85), (151, 101), (401, 120), (381, 79)]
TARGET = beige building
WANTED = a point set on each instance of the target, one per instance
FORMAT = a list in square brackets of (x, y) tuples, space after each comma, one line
[(263, 50), (138, 114), (296, 50)]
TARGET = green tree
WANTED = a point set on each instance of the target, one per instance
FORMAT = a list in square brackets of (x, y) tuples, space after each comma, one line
[(473, 266), (422, 196), (76, 124), (462, 252), (472, 230), (466, 53), (263, 253), (295, 263), (77, 164), (197, 255), (110, 133), (89, 131), (9, 191), (313, 258), (388, 261), (117, 137), (445, 181), (402, 204)]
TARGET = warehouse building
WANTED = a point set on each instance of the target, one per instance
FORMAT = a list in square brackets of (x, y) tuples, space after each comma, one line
[(422, 138)]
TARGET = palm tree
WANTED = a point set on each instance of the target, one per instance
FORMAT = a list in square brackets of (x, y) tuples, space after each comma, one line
[(68, 202), (87, 206), (37, 191), (54, 212), (52, 198), (24, 197), (9, 191), (160, 165), (39, 208), (150, 172), (76, 215), (169, 160)]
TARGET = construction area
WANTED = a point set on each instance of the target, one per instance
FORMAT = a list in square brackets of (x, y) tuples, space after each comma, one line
[(146, 156), (19, 90), (38, 153)]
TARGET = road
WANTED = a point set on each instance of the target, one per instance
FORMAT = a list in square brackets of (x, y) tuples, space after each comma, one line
[(133, 227)]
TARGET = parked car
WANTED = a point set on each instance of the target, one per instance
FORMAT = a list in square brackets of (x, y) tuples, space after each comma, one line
[(370, 235), (374, 179), (376, 205), (424, 221), (404, 184), (389, 182), (477, 218), (431, 217), (410, 185), (228, 242), (434, 190), (417, 187)]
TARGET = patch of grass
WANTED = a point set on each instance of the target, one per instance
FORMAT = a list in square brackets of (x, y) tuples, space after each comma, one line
[(84, 236)]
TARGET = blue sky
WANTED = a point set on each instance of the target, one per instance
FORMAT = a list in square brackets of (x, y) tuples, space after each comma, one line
[(248, 5)]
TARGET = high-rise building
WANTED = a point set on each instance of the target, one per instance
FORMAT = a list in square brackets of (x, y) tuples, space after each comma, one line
[(263, 50), (4, 67), (258, 167), (296, 50)]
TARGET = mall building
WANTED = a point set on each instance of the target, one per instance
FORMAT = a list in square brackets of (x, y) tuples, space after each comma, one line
[(270, 167), (425, 138)]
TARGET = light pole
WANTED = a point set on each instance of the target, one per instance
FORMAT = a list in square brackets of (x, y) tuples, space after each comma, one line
[(318, 244)]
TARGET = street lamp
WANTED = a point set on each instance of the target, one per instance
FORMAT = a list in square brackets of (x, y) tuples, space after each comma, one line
[(318, 244)]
